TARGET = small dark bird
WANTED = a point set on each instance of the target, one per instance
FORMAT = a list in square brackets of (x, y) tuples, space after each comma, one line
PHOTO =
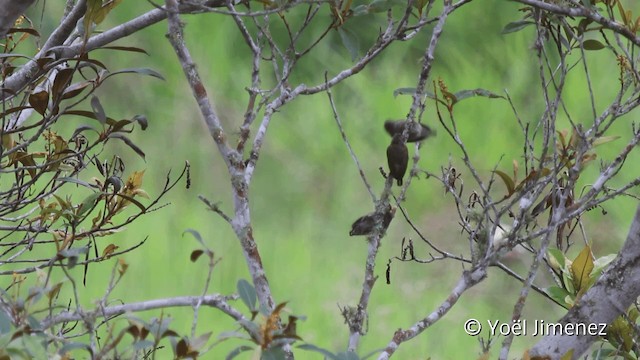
[(417, 131), (365, 224), (397, 158)]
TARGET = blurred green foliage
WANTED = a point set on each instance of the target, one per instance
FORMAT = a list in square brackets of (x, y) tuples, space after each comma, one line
[(307, 191)]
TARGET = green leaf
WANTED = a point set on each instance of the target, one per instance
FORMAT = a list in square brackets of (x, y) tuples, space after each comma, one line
[(591, 44), (601, 262), (605, 139), (88, 203), (247, 293), (347, 355), (75, 89), (558, 294), (87, 114), (273, 353), (581, 268), (60, 83), (556, 259), (476, 92), (404, 91), (516, 26), (350, 41)]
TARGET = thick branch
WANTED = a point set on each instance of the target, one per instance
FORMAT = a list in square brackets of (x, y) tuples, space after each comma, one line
[(11, 10), (611, 296)]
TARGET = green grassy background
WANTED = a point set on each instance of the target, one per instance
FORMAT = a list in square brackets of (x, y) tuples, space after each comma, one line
[(306, 191)]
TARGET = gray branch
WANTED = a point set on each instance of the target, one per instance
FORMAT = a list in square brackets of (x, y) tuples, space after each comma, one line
[(219, 302)]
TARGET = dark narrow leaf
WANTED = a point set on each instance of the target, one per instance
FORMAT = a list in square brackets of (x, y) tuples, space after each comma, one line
[(181, 348), (274, 353), (98, 110), (141, 71), (247, 293), (27, 30), (115, 181), (130, 143), (134, 202), (516, 26), (11, 56), (591, 44), (99, 166), (350, 41), (125, 48), (169, 333), (39, 101), (88, 203), (13, 110)]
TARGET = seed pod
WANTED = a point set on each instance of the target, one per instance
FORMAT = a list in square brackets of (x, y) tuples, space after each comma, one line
[(397, 158), (417, 131)]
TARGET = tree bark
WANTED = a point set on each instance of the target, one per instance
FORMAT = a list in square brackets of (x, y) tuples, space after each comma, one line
[(11, 10), (610, 296)]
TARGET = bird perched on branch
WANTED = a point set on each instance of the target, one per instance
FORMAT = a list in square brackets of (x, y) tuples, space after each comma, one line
[(397, 158), (417, 131), (365, 224)]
